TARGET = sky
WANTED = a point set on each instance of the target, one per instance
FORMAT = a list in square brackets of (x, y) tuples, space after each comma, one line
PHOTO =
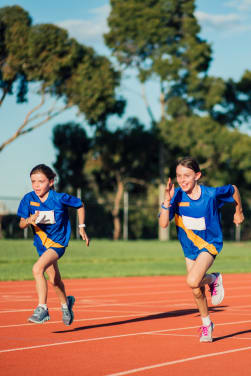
[(225, 24)]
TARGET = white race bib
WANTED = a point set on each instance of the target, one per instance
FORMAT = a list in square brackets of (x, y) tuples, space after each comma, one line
[(194, 223), (46, 217)]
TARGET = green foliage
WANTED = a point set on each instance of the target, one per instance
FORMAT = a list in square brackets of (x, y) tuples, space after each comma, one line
[(123, 155), (72, 145), (225, 155), (160, 38), (51, 55), (14, 32), (61, 66), (91, 87)]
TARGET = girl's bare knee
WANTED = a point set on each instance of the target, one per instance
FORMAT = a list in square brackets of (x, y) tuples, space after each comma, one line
[(192, 282), (37, 270)]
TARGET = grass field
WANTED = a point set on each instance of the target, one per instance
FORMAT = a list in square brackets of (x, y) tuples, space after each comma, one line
[(106, 258)]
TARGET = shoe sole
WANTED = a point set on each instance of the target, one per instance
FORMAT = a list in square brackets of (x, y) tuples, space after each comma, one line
[(71, 301), (47, 318), (220, 296)]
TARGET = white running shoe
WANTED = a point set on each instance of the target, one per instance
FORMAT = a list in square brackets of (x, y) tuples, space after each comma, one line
[(206, 333), (217, 290)]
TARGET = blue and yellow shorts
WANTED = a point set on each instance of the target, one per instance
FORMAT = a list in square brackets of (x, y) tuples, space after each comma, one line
[(60, 250)]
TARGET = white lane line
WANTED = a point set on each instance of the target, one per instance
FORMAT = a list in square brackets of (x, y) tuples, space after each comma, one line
[(109, 287), (82, 306), (115, 336), (146, 368), (90, 319), (89, 340)]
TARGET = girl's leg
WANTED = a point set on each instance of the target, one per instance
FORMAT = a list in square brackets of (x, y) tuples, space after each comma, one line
[(44, 261), (56, 281), (66, 302), (197, 278)]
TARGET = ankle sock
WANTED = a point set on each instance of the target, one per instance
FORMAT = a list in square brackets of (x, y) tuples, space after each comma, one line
[(64, 305), (43, 306), (206, 321)]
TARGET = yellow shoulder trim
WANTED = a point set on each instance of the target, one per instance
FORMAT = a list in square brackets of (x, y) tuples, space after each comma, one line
[(34, 203), (184, 204)]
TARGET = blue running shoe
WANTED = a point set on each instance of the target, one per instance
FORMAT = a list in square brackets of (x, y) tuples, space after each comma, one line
[(40, 315), (68, 315)]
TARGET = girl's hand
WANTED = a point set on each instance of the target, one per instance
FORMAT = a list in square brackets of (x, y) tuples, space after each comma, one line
[(238, 218), (31, 220), (84, 236), (169, 191)]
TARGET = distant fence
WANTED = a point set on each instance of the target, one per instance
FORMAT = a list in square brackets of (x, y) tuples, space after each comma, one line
[(137, 221)]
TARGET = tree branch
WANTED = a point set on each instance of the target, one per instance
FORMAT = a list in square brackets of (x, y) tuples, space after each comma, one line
[(5, 91), (21, 131), (149, 110)]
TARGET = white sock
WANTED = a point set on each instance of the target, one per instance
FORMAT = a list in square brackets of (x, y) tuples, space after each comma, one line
[(64, 305), (206, 321), (43, 305)]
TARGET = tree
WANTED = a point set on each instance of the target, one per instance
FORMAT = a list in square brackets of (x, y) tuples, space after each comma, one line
[(61, 68), (72, 147), (14, 32), (127, 158), (107, 164), (160, 39)]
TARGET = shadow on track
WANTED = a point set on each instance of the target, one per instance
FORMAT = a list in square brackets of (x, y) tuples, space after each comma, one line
[(231, 335), (162, 315)]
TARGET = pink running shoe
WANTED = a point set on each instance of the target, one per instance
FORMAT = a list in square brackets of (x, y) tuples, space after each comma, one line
[(206, 333), (217, 290)]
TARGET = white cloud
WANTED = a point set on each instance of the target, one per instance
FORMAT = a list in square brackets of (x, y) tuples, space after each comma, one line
[(229, 23), (88, 31), (240, 5)]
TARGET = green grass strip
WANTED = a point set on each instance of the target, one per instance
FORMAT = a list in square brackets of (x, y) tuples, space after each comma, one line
[(107, 258)]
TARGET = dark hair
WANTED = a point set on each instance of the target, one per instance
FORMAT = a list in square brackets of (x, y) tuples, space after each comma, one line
[(189, 162), (47, 171)]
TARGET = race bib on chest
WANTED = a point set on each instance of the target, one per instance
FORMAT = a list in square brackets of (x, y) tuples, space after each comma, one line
[(46, 217), (194, 223)]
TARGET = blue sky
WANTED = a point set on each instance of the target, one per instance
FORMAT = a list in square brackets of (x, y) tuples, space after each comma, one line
[(226, 24)]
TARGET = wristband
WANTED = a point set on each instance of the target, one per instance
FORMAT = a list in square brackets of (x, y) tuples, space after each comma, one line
[(83, 225), (164, 207)]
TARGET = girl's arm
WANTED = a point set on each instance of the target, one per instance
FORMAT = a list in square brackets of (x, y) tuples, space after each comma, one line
[(164, 212), (81, 221), (238, 215)]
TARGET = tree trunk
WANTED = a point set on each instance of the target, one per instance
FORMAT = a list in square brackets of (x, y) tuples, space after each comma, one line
[(163, 233), (115, 212)]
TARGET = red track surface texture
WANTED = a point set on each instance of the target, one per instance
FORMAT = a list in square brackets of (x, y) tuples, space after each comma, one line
[(126, 326)]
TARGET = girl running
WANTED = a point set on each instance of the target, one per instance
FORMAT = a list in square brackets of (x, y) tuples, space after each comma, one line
[(197, 217), (47, 212)]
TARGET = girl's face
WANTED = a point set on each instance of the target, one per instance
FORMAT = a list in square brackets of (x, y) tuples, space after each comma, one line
[(187, 178), (41, 184)]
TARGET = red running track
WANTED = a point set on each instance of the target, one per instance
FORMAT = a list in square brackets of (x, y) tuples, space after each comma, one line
[(126, 326)]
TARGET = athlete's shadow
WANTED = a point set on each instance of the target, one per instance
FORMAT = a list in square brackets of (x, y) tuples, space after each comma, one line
[(163, 315), (231, 335)]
